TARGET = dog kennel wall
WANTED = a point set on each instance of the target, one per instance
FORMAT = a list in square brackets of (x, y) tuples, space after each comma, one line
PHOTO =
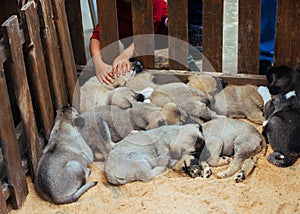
[(38, 66)]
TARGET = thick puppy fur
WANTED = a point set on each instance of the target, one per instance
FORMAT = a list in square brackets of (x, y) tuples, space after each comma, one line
[(145, 154), (61, 174), (229, 138), (282, 112)]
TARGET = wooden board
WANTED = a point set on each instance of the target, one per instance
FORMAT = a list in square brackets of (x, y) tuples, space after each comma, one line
[(212, 35), (142, 24), (178, 34), (38, 76), (287, 37), (108, 30), (15, 174), (249, 36), (52, 53), (17, 69)]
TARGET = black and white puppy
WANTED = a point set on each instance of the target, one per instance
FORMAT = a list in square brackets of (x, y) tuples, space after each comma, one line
[(282, 111)]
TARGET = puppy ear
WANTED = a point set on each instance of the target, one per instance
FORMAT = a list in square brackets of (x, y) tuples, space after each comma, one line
[(124, 103)]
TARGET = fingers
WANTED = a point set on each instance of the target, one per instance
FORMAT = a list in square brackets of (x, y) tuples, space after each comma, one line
[(122, 68), (106, 78)]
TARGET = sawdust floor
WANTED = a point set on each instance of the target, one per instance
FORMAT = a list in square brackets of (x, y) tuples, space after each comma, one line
[(267, 190)]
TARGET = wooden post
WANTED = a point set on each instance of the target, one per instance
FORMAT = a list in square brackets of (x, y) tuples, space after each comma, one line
[(178, 34), (287, 37), (66, 50), (249, 36), (212, 20), (14, 40), (142, 21), (12, 158), (109, 33), (38, 75), (3, 206), (52, 53)]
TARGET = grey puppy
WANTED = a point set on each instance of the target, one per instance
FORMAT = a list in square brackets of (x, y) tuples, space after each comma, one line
[(146, 154), (225, 138), (61, 174)]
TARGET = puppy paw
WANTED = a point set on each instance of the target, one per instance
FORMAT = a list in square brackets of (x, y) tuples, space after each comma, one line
[(224, 160), (206, 171), (240, 176), (195, 171), (222, 175)]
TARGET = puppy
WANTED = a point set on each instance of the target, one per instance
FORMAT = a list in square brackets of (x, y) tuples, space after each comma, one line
[(146, 154), (61, 174), (190, 100), (226, 138), (237, 101), (282, 132), (284, 88), (110, 123), (94, 94), (282, 113)]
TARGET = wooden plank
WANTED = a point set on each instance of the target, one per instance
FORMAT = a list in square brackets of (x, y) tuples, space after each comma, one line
[(109, 31), (66, 50), (3, 55), (287, 37), (142, 24), (178, 34), (38, 75), (74, 15), (17, 69), (3, 206), (12, 159), (212, 20), (164, 76), (249, 36), (52, 53)]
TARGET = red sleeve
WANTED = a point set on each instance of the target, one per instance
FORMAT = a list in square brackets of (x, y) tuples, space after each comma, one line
[(96, 34), (160, 10)]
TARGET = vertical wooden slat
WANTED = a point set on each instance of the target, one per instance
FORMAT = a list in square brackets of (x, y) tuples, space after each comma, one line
[(12, 37), (249, 36), (66, 49), (74, 15), (212, 20), (37, 67), (12, 158), (52, 55), (287, 37), (3, 206), (142, 21), (109, 36)]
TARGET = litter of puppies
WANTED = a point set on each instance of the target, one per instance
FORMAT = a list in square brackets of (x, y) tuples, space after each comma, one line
[(138, 141)]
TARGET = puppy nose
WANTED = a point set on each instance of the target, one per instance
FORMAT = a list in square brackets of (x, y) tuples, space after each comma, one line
[(140, 98)]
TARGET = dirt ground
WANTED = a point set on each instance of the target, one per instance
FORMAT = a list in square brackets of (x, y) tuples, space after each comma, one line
[(267, 190)]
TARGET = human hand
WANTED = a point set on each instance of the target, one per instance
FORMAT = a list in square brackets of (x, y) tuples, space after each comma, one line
[(104, 73), (121, 65)]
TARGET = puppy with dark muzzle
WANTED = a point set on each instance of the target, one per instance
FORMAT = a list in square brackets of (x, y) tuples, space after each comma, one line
[(282, 128)]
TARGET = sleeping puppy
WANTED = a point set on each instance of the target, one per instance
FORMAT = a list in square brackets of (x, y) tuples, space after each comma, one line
[(239, 101), (120, 122), (227, 138), (145, 154)]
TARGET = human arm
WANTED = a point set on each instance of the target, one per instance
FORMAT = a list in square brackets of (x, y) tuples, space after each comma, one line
[(103, 71)]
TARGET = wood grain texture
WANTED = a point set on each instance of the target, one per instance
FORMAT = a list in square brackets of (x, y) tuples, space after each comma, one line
[(287, 37), (212, 35), (178, 34), (249, 36)]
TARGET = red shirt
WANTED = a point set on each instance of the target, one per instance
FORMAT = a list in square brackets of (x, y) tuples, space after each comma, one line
[(160, 12)]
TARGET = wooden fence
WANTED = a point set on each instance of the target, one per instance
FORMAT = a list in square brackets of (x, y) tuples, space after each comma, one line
[(287, 44), (38, 72), (37, 76)]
